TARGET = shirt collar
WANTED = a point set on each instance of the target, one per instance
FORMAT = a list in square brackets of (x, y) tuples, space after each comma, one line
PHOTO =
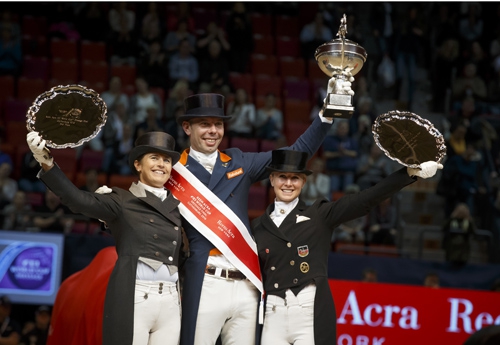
[(159, 192)]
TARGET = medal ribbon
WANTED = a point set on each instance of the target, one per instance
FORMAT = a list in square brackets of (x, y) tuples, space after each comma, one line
[(216, 221)]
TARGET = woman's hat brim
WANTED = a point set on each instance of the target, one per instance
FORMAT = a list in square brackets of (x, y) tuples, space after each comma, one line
[(293, 171), (141, 150)]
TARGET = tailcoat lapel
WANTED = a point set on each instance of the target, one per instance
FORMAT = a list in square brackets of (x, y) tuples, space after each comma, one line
[(164, 207)]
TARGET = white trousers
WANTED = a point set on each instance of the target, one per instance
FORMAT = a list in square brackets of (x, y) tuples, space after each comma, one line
[(157, 313), (290, 320), (229, 308)]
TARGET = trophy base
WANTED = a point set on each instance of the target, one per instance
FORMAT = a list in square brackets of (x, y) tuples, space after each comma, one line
[(338, 111)]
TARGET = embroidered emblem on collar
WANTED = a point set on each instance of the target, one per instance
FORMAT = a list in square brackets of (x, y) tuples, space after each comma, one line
[(234, 173)]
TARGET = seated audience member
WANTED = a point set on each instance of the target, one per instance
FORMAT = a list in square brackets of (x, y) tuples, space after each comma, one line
[(10, 331), (173, 40), (183, 65), (373, 167), (174, 101), (341, 153), (370, 275), (318, 183), (38, 335), (52, 217), (153, 65), (124, 45), (382, 223), (112, 134), (115, 95), (28, 181), (141, 100), (91, 183), (458, 231), (214, 71), (16, 214), (269, 122), (213, 33), (432, 280), (152, 123), (10, 52), (243, 115), (313, 35), (8, 186), (351, 231)]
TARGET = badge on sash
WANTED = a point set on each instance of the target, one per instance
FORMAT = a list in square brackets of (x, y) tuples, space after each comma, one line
[(304, 267), (303, 251)]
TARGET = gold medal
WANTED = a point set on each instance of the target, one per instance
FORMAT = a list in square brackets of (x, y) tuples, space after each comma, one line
[(304, 267)]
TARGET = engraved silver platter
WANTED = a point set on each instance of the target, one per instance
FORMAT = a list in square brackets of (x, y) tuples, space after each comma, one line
[(67, 116), (408, 138)]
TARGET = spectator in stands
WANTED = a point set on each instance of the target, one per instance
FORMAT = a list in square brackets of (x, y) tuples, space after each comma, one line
[(28, 181), (214, 71), (174, 39), (494, 91), (16, 214), (115, 95), (269, 121), (458, 231), (152, 122), (213, 33), (181, 13), (456, 142), (476, 54), (432, 280), (7, 19), (39, 334), (91, 182), (112, 134), (175, 99), (240, 37), (382, 223), (153, 66), (318, 183), (362, 130), (369, 275), (8, 186), (372, 167), (408, 45), (242, 123), (10, 332), (183, 65), (10, 52), (56, 216), (471, 26), (92, 22), (119, 163), (469, 84), (152, 26), (351, 231), (61, 23), (141, 100), (121, 18), (459, 179), (382, 20), (124, 45), (313, 35), (341, 153), (446, 62)]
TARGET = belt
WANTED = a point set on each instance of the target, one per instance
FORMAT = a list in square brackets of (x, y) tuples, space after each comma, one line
[(227, 274)]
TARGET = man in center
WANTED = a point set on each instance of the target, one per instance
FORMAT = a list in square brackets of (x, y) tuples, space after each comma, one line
[(217, 298)]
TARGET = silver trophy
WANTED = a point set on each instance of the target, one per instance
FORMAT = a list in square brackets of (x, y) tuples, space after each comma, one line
[(340, 59)]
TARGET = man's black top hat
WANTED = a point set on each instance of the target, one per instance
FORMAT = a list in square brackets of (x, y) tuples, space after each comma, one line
[(152, 142), (203, 105), (289, 161)]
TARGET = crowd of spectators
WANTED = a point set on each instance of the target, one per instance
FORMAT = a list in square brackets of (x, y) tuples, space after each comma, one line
[(455, 45)]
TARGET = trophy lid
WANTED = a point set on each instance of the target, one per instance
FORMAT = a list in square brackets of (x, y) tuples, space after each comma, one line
[(408, 139), (67, 116), (340, 54)]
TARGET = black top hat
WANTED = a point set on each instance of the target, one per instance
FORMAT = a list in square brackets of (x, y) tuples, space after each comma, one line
[(153, 142), (289, 161), (203, 105)]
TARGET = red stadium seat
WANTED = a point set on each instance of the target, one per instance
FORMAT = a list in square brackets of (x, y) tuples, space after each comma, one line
[(263, 44), (94, 71), (242, 81), (126, 73), (286, 26), (90, 159), (264, 64), (93, 51), (30, 89), (267, 84), (121, 181), (296, 88), (64, 70), (245, 144), (63, 49), (297, 111), (15, 111), (35, 26), (287, 46), (291, 67), (7, 85), (262, 23), (36, 67)]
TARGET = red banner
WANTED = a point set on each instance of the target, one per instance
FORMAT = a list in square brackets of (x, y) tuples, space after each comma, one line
[(389, 314)]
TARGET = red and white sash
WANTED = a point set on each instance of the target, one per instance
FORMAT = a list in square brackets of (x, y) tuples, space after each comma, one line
[(217, 222)]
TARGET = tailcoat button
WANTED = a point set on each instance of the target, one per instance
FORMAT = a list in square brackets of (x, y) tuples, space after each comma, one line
[(295, 281), (276, 285), (170, 258), (292, 263), (155, 236), (288, 244), (157, 254)]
